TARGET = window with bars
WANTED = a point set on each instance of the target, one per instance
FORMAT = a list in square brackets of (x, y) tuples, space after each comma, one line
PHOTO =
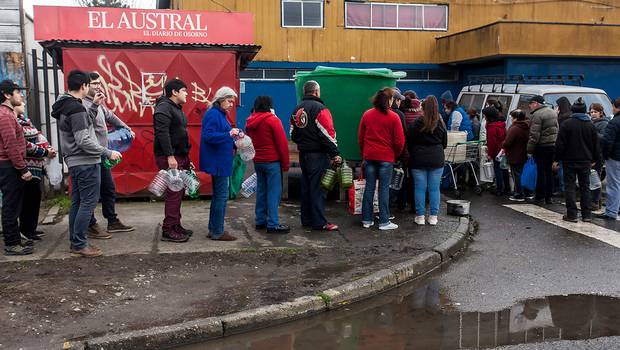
[(372, 15), (302, 13)]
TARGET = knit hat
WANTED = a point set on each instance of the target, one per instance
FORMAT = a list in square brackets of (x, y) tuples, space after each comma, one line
[(224, 92), (490, 113), (579, 106)]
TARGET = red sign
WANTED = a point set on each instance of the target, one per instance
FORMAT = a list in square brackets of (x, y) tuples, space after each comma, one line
[(139, 25), (132, 81)]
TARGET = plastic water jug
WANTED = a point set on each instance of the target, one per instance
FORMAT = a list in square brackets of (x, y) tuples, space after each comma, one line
[(191, 183), (175, 182), (328, 180), (346, 175), (109, 163), (119, 140), (396, 183), (248, 187), (159, 184), (245, 147)]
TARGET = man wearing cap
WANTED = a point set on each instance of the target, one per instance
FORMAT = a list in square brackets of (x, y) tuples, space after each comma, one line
[(312, 129), (13, 169), (541, 145), (82, 153), (578, 148)]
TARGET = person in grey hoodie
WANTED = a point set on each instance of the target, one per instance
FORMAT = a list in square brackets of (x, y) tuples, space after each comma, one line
[(108, 189), (82, 153)]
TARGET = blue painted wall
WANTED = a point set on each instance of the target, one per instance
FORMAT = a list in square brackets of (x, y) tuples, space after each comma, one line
[(283, 92)]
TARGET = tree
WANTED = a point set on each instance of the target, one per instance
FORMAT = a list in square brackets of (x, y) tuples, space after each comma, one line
[(105, 3)]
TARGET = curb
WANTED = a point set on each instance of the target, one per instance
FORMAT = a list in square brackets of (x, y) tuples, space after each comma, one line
[(221, 326)]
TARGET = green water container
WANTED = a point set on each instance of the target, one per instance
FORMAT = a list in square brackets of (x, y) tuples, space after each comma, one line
[(346, 175), (347, 93), (329, 179), (109, 163)]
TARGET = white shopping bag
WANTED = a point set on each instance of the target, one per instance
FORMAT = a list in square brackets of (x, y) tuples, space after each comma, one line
[(487, 173), (54, 171), (356, 196)]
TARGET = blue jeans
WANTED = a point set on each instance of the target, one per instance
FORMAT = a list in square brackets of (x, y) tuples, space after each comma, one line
[(373, 171), (218, 206), (499, 176), (107, 196), (268, 193), (427, 179), (85, 186), (612, 167)]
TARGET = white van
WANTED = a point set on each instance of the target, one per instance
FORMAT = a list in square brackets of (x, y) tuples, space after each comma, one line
[(513, 96)]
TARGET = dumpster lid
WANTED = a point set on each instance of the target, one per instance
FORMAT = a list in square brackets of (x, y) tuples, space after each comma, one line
[(327, 71)]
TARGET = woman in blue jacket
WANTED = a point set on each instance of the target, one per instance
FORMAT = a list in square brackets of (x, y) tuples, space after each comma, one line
[(216, 155)]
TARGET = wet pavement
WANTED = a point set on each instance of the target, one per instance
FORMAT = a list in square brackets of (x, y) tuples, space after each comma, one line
[(420, 316)]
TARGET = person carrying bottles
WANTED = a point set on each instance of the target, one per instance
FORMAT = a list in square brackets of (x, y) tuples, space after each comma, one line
[(108, 189), (312, 129), (217, 138)]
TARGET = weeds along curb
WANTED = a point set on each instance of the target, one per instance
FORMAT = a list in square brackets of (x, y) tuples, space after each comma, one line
[(216, 327)]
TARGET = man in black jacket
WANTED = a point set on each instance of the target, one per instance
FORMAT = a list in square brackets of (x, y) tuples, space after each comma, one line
[(577, 147), (172, 152), (312, 129), (611, 152)]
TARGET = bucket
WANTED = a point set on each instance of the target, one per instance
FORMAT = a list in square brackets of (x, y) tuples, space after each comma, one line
[(458, 207)]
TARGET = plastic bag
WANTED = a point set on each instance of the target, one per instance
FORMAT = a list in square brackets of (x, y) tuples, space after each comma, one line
[(234, 184), (595, 180), (356, 196), (528, 177), (54, 171)]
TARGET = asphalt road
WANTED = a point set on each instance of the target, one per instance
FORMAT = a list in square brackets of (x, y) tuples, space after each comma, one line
[(517, 256)]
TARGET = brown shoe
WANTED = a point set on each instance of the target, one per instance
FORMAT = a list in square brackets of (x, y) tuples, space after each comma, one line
[(225, 237), (595, 207), (86, 252), (118, 226), (96, 232)]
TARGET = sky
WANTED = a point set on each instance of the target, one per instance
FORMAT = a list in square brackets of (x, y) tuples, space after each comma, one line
[(29, 3)]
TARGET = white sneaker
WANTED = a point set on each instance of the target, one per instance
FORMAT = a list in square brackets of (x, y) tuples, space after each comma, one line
[(390, 226), (420, 220), (367, 224), (432, 220)]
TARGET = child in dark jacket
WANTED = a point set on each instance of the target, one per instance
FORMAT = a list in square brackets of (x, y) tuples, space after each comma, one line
[(496, 133), (515, 146)]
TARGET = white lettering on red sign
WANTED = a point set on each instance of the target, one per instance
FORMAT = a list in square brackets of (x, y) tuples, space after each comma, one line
[(148, 20)]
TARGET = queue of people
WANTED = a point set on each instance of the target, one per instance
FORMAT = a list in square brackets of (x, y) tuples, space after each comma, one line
[(399, 131)]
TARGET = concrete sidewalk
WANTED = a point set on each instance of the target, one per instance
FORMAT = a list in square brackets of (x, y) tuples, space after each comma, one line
[(146, 217)]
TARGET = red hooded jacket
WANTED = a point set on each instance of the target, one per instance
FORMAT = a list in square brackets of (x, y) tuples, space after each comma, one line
[(269, 139), (381, 136), (496, 133)]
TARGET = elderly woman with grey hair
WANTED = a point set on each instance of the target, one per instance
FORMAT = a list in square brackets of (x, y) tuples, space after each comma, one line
[(216, 156)]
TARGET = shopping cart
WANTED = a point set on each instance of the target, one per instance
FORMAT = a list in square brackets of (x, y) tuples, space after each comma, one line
[(463, 155)]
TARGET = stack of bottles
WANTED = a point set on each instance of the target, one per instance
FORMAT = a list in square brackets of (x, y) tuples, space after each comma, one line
[(176, 181), (248, 187)]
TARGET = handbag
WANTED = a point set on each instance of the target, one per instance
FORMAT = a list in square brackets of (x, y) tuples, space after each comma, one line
[(356, 197)]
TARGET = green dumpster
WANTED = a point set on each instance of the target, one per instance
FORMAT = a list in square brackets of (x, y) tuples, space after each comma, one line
[(347, 93)]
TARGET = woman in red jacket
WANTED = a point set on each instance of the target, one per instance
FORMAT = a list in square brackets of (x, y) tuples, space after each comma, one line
[(496, 133), (381, 139), (270, 161)]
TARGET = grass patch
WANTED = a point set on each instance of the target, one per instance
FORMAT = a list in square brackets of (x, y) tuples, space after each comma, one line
[(248, 250), (64, 202), (290, 250), (326, 298)]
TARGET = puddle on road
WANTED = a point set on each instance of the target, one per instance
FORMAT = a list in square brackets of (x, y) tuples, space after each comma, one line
[(420, 317)]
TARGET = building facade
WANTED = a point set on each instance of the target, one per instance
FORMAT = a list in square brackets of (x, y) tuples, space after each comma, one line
[(439, 44)]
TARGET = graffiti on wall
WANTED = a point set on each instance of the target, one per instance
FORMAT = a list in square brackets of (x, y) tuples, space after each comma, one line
[(12, 67), (137, 93)]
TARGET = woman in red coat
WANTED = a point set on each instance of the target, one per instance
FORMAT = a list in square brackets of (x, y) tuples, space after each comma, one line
[(515, 146), (496, 133)]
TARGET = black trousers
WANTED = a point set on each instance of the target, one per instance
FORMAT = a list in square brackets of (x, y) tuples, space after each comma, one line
[(313, 165), (29, 217), (581, 173), (12, 187), (544, 166)]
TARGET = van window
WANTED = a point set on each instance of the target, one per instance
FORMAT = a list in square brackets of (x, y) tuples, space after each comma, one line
[(468, 101), (503, 99), (589, 98)]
